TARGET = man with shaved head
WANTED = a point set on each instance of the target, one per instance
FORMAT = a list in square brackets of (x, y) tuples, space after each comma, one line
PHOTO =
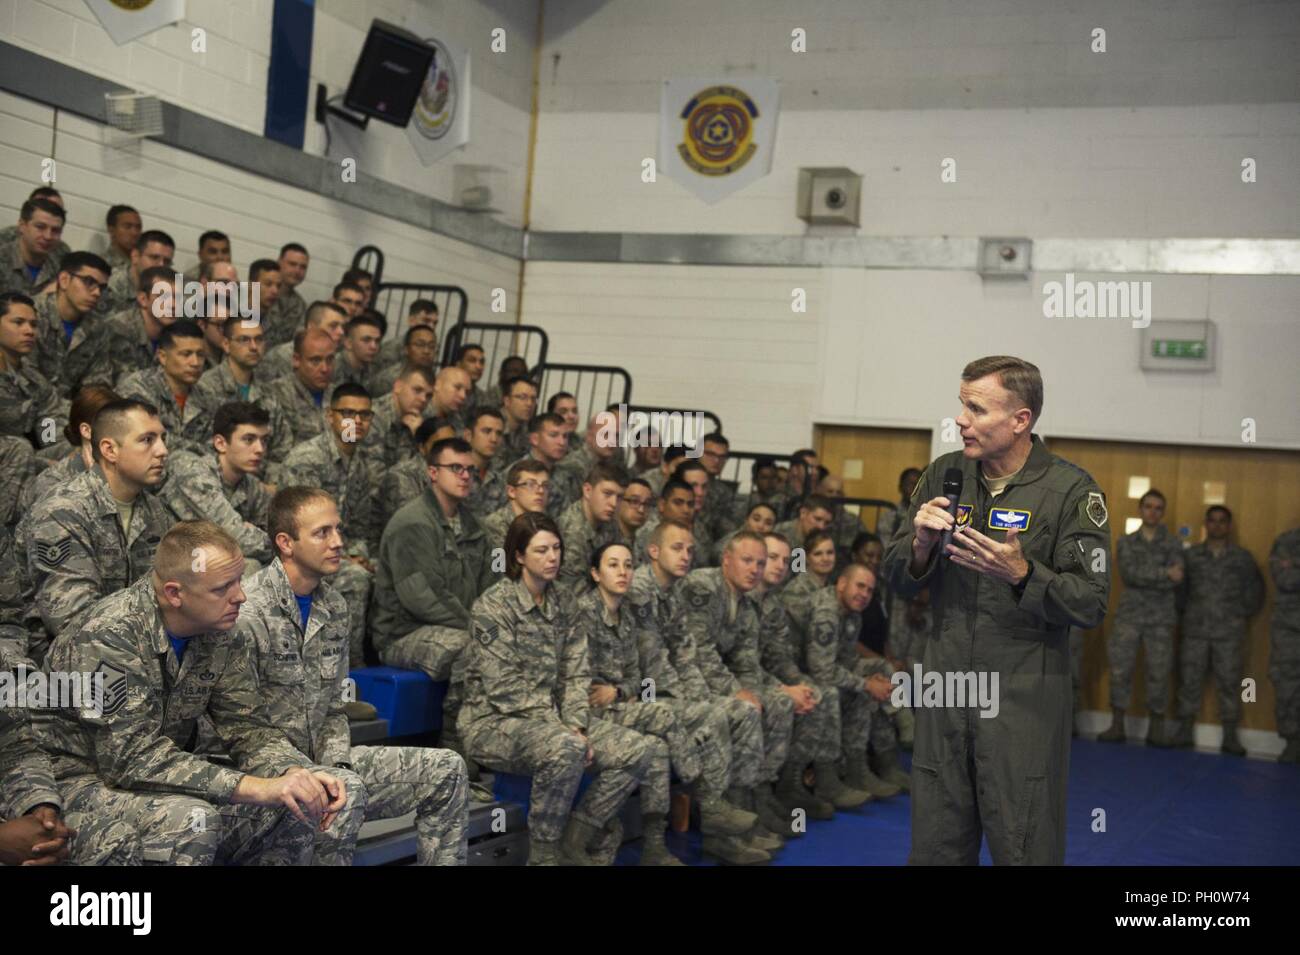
[(98, 533), (450, 393), (325, 316), (168, 655)]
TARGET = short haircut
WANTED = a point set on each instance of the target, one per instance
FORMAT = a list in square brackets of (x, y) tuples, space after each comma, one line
[(1151, 493), (33, 206), (675, 484), (516, 360), (513, 380), (111, 420), (674, 452), (1220, 508), (422, 305), (864, 538), (815, 538), (356, 275), (540, 421), (760, 464), (365, 318), (779, 538), (485, 413), (114, 211), (521, 533), (641, 481), (464, 350), (381, 320), (45, 192), (235, 413), (715, 437), (907, 473), (660, 529), (153, 274), (174, 558), (317, 310), (10, 299), (1022, 379), (149, 236), (455, 445), (349, 389), (181, 328), (262, 265), (232, 323), (287, 505), (213, 235), (416, 329), (761, 506), (410, 371), (689, 466), (599, 552), (427, 429), (556, 398), (855, 565), (346, 287), (606, 471), (815, 502), (526, 466), (292, 247), (802, 455), (87, 403), (81, 260), (740, 536), (305, 335)]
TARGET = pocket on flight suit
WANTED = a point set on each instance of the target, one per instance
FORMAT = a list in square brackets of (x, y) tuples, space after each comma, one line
[(1029, 807)]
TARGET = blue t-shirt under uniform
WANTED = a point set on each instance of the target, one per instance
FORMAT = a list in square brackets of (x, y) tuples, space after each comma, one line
[(304, 609), (179, 645)]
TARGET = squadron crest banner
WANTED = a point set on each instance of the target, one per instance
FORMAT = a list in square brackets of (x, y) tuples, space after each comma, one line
[(717, 135), (127, 20), (440, 121)]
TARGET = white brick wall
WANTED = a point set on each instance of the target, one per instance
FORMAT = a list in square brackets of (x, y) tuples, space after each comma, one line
[(185, 194)]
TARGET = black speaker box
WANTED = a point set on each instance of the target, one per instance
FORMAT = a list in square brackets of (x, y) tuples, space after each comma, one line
[(388, 74)]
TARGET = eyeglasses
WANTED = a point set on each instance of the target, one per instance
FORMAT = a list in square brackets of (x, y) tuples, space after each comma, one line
[(348, 414), (90, 283), (460, 470), (640, 503), (533, 485)]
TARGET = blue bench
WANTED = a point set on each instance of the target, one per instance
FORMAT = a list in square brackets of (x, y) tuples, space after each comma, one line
[(407, 699)]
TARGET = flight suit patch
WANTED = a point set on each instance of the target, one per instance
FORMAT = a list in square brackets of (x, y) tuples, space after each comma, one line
[(963, 514), (1009, 518), (1095, 508)]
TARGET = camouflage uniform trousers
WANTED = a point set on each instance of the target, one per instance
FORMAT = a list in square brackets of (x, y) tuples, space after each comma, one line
[(1157, 637), (181, 830), (748, 756), (778, 730), (708, 731), (553, 756), (354, 582), (1223, 654), (817, 735), (882, 717), (669, 748), (1285, 675), (439, 652), (395, 780)]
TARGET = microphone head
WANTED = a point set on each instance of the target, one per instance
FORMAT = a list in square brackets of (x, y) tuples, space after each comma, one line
[(952, 483)]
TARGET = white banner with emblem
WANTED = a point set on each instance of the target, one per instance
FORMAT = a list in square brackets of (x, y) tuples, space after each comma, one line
[(717, 135), (440, 121), (127, 20)]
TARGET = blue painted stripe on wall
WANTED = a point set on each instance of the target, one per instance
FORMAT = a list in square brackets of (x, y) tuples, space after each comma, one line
[(289, 75)]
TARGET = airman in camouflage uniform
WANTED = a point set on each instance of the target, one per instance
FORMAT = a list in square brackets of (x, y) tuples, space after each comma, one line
[(1224, 589), (78, 552), (13, 266), (152, 386), (69, 362), (131, 759), (526, 684), (1150, 562), (391, 440), (583, 534), (1284, 632), (301, 671), (196, 490), (216, 388), (30, 407)]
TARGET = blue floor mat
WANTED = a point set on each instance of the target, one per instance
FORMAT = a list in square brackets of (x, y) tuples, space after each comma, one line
[(1162, 807)]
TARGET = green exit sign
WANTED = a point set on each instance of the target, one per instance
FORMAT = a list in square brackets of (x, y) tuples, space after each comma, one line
[(1177, 348)]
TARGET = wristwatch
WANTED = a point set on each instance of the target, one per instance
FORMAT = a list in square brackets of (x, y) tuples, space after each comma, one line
[(1019, 586)]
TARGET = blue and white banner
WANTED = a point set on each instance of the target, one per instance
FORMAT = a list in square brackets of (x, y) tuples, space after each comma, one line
[(440, 121)]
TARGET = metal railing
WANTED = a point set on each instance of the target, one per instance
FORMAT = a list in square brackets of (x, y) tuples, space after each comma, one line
[(370, 258), (674, 425), (499, 341), (595, 387), (394, 300)]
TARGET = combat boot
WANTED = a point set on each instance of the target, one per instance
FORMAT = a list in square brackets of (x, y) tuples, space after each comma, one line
[(542, 853), (859, 776), (1182, 735), (793, 795), (1115, 733), (729, 850), (760, 838), (720, 818), (578, 835), (830, 788), (654, 851), (1156, 732), (906, 727), (1292, 752), (890, 771), (1231, 745), (771, 815)]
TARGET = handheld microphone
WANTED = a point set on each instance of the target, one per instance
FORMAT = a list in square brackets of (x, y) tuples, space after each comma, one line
[(952, 484)]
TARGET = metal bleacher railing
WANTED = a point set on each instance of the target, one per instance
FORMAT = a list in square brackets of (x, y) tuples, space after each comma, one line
[(394, 300), (595, 387), (499, 340), (370, 258)]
